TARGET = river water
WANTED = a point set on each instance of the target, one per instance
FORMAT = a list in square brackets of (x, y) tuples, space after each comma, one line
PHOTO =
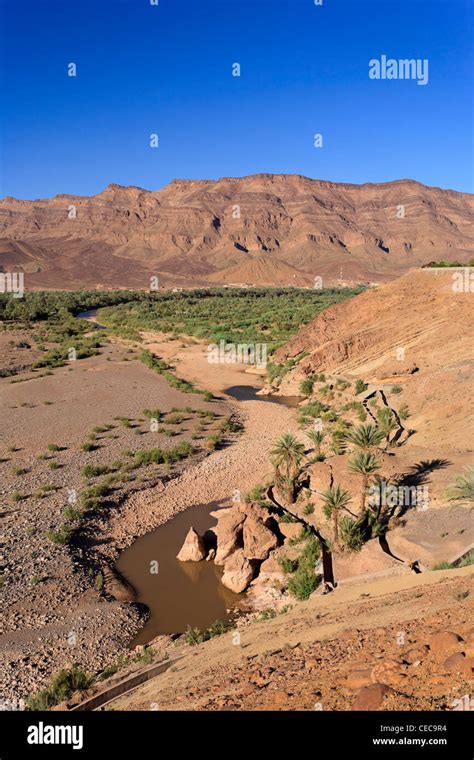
[(180, 594)]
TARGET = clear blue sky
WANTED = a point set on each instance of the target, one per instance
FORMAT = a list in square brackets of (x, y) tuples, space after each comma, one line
[(143, 69)]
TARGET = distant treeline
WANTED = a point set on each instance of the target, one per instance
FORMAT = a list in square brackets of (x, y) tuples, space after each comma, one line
[(43, 305), (434, 264)]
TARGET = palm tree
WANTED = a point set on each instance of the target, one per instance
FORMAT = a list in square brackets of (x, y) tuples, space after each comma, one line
[(286, 456), (386, 422), (364, 463), (335, 499), (317, 438), (365, 437)]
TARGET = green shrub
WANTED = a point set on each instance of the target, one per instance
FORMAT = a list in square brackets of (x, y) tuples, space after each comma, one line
[(72, 513), (62, 536), (152, 414), (88, 446), (302, 584), (93, 471), (288, 565), (62, 687), (196, 636), (267, 614), (360, 387), (174, 419), (404, 412), (306, 386)]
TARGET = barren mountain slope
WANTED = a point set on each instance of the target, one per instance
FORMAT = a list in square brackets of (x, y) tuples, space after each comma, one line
[(416, 333), (262, 229)]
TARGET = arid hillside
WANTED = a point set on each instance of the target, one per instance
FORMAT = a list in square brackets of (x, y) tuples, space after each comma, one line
[(261, 229), (414, 334)]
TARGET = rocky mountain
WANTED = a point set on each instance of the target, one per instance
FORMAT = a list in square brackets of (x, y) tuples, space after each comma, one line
[(262, 229)]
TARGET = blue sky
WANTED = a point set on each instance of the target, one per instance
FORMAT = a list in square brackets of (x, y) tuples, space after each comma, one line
[(167, 69)]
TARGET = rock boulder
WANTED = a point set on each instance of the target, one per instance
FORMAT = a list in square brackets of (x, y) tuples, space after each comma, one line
[(193, 549), (238, 572)]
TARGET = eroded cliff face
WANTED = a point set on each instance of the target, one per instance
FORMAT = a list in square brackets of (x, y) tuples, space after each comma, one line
[(261, 229), (414, 333)]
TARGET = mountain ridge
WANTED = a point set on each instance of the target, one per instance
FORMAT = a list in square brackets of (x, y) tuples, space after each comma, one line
[(261, 229)]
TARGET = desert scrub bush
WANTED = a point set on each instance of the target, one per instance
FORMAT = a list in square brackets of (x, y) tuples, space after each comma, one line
[(360, 387), (145, 657), (43, 491), (19, 471), (268, 614), (288, 565), (89, 446), (62, 687), (163, 456), (404, 412), (53, 465), (213, 441), (287, 518), (302, 584), (174, 419), (169, 432), (217, 628), (306, 386), (99, 581), (441, 566), (55, 447), (309, 412), (17, 496), (207, 413), (94, 471), (304, 534), (397, 389), (257, 493), (62, 536), (276, 372), (232, 425), (152, 414), (304, 579), (308, 509), (462, 489), (72, 514)]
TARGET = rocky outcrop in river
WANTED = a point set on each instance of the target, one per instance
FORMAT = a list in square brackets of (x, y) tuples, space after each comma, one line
[(244, 537)]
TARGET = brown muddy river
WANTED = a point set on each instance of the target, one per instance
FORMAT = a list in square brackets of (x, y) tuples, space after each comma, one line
[(249, 393), (180, 594)]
